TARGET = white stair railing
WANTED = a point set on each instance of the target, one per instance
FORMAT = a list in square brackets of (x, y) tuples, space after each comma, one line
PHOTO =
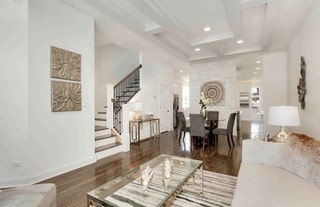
[(109, 115), (125, 136)]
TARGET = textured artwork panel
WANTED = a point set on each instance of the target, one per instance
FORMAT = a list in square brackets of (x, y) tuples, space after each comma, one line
[(65, 96), (65, 64), (214, 90)]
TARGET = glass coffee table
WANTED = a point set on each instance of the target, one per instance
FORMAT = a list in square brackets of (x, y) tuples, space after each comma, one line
[(126, 190)]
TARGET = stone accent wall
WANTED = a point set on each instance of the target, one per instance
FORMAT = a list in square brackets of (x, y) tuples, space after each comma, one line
[(223, 71)]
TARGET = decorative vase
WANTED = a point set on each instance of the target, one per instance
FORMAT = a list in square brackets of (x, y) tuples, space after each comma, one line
[(146, 177), (203, 111), (167, 169)]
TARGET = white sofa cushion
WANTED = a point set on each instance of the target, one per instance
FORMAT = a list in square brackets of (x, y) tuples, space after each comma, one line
[(301, 156), (265, 185), (41, 195)]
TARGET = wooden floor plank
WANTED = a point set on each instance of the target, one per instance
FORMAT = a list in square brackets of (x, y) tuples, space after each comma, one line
[(73, 186)]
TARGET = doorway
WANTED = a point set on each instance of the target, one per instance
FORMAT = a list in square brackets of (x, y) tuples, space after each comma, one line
[(164, 108)]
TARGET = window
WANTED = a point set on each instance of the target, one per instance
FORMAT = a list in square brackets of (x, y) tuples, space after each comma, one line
[(185, 97)]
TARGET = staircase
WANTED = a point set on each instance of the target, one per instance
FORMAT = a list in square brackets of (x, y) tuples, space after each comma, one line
[(106, 143), (108, 140), (123, 92)]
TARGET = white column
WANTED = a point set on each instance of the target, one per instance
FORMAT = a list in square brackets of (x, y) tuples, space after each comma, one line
[(125, 136), (109, 115)]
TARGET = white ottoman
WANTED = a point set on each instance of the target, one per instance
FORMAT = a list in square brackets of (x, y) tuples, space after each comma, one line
[(39, 195)]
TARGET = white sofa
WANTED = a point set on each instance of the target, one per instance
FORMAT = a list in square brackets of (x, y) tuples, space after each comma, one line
[(40, 195), (279, 174)]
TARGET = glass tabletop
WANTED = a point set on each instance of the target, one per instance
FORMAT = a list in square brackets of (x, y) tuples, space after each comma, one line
[(126, 190)]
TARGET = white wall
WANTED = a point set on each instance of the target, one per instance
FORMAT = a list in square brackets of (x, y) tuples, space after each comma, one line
[(153, 75), (13, 88), (224, 71), (274, 85), (306, 43), (60, 141), (112, 63)]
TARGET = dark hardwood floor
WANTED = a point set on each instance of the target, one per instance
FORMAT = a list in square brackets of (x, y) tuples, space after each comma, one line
[(73, 186)]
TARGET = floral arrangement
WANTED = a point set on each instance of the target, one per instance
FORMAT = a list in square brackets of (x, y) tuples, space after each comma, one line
[(205, 102)]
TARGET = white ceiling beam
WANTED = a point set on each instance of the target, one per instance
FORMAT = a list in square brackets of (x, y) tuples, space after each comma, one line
[(225, 57), (244, 50), (220, 52), (247, 4), (272, 10), (155, 30), (232, 8), (156, 13), (212, 39)]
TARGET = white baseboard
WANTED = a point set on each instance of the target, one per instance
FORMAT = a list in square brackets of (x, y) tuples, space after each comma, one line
[(41, 176)]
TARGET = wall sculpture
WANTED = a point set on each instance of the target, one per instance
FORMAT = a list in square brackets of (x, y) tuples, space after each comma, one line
[(65, 96), (302, 83), (65, 64), (214, 90)]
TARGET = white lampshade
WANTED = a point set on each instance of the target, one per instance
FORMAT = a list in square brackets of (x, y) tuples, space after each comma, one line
[(136, 106), (284, 116)]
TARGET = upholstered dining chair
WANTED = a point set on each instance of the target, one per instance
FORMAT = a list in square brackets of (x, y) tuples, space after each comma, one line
[(197, 128), (182, 125), (228, 131), (212, 120)]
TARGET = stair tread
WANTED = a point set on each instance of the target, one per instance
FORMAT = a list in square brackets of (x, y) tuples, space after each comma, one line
[(99, 128), (100, 119), (104, 137), (123, 96), (120, 101), (133, 87), (102, 112), (128, 91), (107, 146)]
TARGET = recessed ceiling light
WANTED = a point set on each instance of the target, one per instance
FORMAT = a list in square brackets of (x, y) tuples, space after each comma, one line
[(258, 61), (207, 29), (181, 71), (255, 73), (197, 49), (258, 68), (240, 41)]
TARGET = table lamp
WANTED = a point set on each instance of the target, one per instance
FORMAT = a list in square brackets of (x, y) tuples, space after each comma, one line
[(137, 108), (283, 116)]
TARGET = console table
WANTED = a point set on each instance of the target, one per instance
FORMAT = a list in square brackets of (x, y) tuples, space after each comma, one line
[(135, 125)]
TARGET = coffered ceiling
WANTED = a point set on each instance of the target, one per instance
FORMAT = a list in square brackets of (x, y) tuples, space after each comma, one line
[(173, 30)]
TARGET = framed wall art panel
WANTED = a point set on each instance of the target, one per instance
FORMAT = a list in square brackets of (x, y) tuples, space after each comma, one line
[(65, 64), (65, 96)]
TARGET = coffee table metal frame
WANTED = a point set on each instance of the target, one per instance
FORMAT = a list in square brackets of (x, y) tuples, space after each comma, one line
[(95, 198)]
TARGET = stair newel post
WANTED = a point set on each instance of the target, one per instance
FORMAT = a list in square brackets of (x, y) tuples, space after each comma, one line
[(109, 115), (125, 136)]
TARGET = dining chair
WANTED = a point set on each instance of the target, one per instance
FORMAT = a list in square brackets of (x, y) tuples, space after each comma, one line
[(197, 128), (212, 120), (182, 125), (228, 131), (238, 125)]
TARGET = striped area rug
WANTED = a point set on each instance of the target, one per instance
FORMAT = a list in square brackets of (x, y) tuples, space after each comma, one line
[(218, 190)]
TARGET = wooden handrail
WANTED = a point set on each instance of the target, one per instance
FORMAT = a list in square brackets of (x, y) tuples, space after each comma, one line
[(128, 76)]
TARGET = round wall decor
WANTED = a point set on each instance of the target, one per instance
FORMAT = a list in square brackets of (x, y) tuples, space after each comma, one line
[(214, 91)]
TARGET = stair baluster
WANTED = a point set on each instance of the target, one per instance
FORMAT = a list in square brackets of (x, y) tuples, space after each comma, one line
[(123, 92)]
